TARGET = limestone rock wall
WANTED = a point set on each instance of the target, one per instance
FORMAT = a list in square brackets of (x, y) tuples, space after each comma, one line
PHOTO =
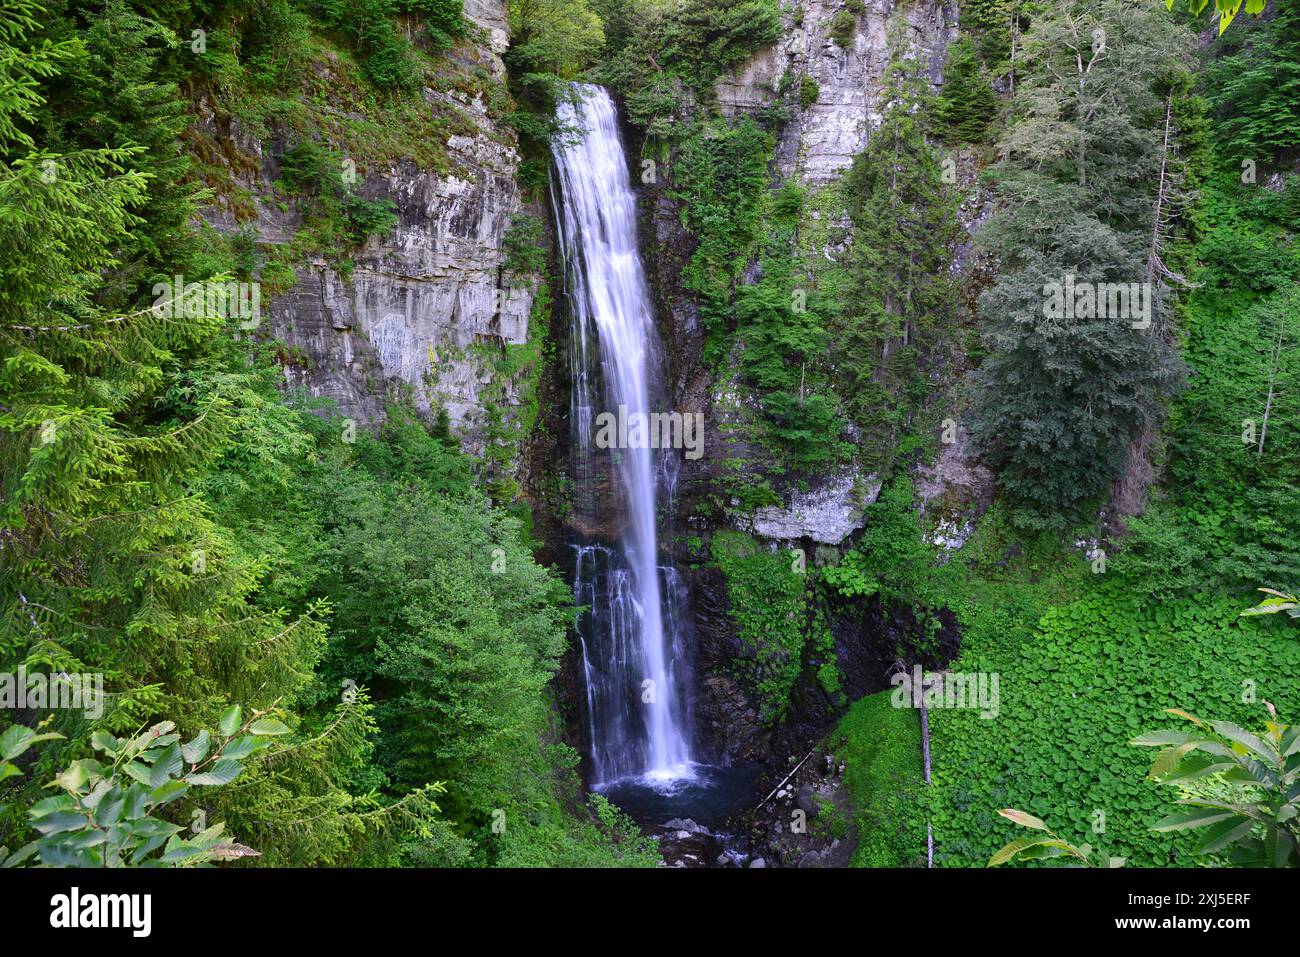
[(426, 306), (835, 127)]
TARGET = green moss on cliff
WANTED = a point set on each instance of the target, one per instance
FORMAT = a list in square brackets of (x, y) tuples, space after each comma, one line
[(882, 769)]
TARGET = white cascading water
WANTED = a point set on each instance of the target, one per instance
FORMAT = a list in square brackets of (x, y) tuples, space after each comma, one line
[(637, 719)]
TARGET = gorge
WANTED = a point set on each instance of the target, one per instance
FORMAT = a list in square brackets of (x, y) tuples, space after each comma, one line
[(621, 397)]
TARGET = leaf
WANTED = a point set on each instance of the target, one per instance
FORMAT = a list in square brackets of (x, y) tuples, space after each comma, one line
[(197, 749), (1244, 738), (266, 727), (243, 746), (223, 772), (1023, 819), (1224, 833), (1180, 713), (1186, 819), (228, 852), (134, 803), (1154, 738), (20, 855), (1270, 606), (73, 779), (59, 821), (1011, 850), (1290, 741), (1195, 766), (1227, 15), (167, 792), (137, 771), (150, 738), (17, 739), (167, 765), (229, 721)]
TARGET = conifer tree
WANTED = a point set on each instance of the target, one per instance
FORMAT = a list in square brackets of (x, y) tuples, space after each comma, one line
[(110, 559), (966, 104), (904, 233), (1062, 392)]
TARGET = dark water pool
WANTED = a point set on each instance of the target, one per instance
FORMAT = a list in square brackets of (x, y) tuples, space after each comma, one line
[(709, 796)]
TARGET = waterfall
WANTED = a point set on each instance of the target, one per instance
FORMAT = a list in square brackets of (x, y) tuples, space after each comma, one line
[(631, 637)]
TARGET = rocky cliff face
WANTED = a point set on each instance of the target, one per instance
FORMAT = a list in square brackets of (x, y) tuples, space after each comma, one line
[(816, 145), (427, 306), (848, 69)]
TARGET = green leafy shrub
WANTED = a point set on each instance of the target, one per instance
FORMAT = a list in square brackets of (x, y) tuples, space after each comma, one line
[(882, 770), (105, 815), (844, 27), (808, 91), (768, 604), (1094, 674), (442, 19), (1253, 810)]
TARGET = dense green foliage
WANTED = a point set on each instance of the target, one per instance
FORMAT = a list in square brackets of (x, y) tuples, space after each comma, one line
[(966, 104), (1062, 392), (1118, 663), (902, 301), (1241, 786), (173, 518), (768, 603), (174, 522), (882, 769)]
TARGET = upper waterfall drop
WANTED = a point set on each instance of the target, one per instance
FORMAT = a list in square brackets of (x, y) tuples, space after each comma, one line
[(637, 717)]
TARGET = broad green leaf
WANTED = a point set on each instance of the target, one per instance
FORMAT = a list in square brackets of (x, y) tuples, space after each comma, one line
[(197, 749), (17, 739), (1186, 819), (134, 804), (138, 771), (209, 836), (167, 765), (268, 727), (1223, 833), (168, 791), (1291, 741), (73, 779), (1011, 850), (59, 822), (1195, 766), (20, 855), (1154, 738), (229, 722), (243, 746), (150, 738), (109, 811), (223, 772), (1244, 738)]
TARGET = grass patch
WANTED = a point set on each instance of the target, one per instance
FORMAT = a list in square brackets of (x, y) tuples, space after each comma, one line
[(882, 768)]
